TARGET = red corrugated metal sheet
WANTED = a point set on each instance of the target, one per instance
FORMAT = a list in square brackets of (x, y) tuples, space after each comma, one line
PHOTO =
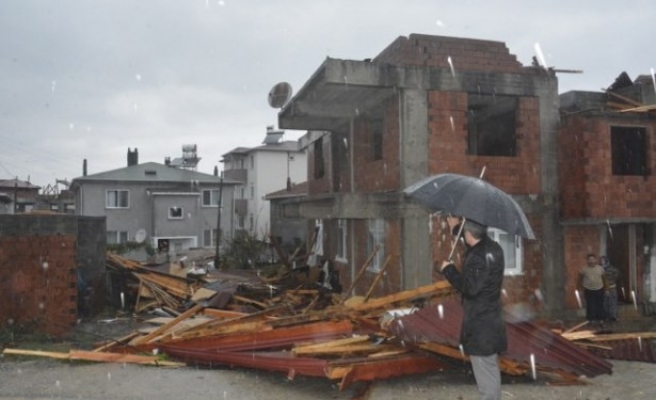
[(440, 323), (627, 349), (349, 370), (271, 339)]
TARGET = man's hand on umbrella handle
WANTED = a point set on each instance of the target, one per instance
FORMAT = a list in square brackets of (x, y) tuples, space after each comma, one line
[(445, 263)]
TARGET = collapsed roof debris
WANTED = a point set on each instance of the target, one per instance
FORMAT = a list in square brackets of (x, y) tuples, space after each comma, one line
[(275, 327)]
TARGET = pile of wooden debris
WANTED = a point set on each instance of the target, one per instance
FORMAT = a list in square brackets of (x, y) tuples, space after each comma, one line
[(304, 330)]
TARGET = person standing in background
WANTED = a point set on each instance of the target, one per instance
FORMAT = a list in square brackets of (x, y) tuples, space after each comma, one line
[(610, 297), (593, 281)]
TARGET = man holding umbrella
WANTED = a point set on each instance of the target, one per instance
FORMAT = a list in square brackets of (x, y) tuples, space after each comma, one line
[(483, 331)]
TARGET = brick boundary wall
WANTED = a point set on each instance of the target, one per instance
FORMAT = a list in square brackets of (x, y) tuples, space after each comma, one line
[(38, 284)]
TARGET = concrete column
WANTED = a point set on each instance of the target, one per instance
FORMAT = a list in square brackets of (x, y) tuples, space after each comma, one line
[(552, 233), (413, 145)]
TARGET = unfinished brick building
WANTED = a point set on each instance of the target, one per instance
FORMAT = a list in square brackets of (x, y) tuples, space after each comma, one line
[(431, 104), (427, 105), (607, 188)]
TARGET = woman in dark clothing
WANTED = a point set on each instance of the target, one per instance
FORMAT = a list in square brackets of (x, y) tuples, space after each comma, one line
[(483, 331)]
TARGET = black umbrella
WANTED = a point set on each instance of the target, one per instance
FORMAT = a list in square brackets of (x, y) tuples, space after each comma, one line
[(474, 199)]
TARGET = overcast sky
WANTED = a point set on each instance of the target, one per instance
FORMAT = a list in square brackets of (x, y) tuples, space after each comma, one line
[(91, 78)]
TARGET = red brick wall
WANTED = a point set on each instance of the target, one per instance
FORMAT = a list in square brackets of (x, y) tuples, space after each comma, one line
[(448, 144), (34, 298), (587, 184), (377, 175), (465, 54)]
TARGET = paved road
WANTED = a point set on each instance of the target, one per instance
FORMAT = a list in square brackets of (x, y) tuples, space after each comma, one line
[(47, 379)]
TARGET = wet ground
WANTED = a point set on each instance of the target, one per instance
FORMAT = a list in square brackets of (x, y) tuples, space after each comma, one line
[(38, 379)]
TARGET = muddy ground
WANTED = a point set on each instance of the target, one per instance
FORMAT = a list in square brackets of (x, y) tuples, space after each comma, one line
[(30, 378)]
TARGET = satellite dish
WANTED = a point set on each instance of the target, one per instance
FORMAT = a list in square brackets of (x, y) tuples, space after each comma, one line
[(140, 235), (280, 94)]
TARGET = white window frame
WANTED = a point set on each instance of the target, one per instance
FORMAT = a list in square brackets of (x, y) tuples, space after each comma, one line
[(117, 198), (376, 236), (170, 216), (342, 237), (118, 237), (211, 235), (214, 198), (514, 261)]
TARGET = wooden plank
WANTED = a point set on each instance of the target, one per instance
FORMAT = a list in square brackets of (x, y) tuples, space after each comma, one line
[(624, 98), (332, 343), (577, 326), (346, 349), (216, 313), (36, 353), (117, 342), (193, 310), (121, 358), (622, 336), (246, 300), (440, 287)]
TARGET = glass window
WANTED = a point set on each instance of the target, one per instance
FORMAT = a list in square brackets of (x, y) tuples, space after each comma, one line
[(512, 250), (175, 212), (116, 237), (210, 197), (117, 199), (209, 237)]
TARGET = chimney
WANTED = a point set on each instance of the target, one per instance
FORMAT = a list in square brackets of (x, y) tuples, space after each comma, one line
[(84, 167), (216, 170), (167, 161), (133, 157)]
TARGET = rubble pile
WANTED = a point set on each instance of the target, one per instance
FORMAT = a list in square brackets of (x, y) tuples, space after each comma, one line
[(296, 327)]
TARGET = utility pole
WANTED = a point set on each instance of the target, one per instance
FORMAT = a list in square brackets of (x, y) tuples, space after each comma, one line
[(217, 256)]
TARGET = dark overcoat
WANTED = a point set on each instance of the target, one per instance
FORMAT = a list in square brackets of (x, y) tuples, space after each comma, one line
[(483, 331)]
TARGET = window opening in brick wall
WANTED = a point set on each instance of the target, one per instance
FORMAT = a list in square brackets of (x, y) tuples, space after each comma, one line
[(319, 169), (629, 150), (512, 250), (491, 125)]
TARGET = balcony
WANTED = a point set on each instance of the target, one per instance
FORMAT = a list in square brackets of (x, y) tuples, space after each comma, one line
[(238, 175)]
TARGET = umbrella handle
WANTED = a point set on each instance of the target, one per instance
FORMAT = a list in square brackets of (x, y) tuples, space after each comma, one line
[(462, 224), (455, 242)]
